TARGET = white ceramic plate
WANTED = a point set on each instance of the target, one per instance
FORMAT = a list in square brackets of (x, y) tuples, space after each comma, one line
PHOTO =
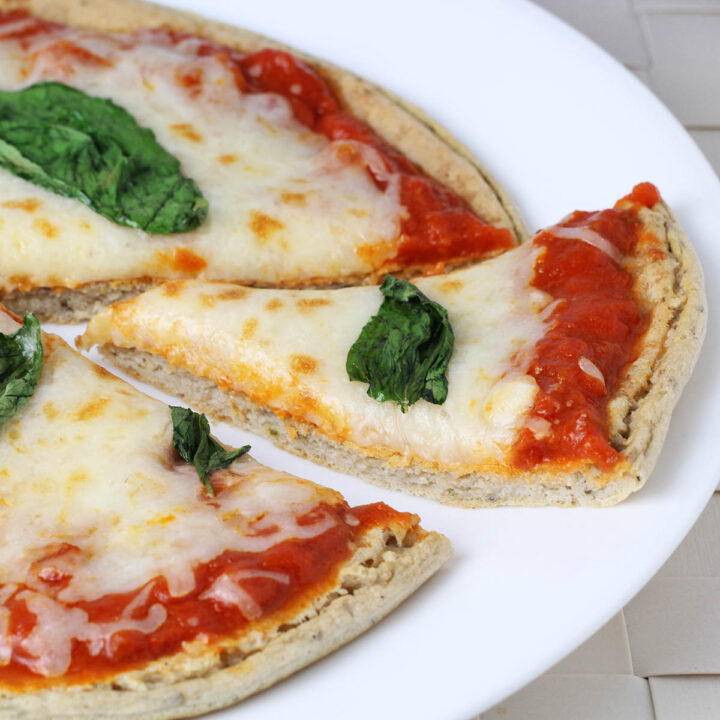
[(563, 126)]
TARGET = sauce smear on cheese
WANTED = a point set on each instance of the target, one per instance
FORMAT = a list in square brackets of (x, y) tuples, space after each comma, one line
[(593, 335), (437, 225), (232, 592)]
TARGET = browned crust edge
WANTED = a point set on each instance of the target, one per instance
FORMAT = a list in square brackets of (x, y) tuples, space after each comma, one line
[(639, 413), (406, 127), (384, 571)]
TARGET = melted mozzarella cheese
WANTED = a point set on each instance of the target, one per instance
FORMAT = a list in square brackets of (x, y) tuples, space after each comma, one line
[(89, 490), (287, 350), (286, 204)]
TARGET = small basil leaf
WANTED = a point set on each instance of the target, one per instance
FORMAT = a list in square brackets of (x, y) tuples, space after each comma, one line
[(92, 150), (194, 444), (21, 360), (403, 351)]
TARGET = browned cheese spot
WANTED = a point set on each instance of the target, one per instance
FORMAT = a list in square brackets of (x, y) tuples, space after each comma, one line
[(101, 371), (274, 304), (92, 409), (358, 212), (187, 131), (50, 410), (78, 477), (172, 288), (249, 327), (452, 286), (208, 300), (294, 198), (49, 230), (28, 204), (306, 305), (303, 364), (227, 159), (188, 262), (235, 293), (21, 282), (263, 225)]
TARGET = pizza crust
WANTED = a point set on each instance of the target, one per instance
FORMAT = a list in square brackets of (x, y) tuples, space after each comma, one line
[(385, 569), (639, 413), (404, 126)]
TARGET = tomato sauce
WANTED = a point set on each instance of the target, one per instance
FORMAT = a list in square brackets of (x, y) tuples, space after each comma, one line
[(596, 326), (438, 227), (311, 565)]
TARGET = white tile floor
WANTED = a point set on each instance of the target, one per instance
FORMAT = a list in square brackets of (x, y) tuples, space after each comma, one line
[(659, 659)]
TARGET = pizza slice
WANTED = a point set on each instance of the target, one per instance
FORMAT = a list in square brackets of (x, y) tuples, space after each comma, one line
[(138, 144), (125, 579), (546, 375)]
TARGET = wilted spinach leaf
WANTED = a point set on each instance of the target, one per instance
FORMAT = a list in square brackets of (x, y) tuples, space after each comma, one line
[(404, 350), (21, 360), (195, 445), (91, 149)]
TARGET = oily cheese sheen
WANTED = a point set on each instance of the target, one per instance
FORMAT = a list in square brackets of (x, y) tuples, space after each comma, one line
[(143, 519), (284, 205), (287, 350), (98, 512), (287, 206), (570, 353)]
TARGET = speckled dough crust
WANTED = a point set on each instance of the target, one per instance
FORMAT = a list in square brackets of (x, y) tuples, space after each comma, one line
[(671, 291), (385, 569), (407, 128)]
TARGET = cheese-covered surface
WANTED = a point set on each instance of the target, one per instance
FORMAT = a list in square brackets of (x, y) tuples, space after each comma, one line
[(287, 350), (91, 490), (286, 204)]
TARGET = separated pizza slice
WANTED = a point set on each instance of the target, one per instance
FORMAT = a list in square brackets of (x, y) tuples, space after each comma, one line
[(138, 144), (546, 375), (143, 563)]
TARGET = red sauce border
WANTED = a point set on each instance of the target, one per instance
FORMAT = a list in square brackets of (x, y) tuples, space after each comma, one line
[(599, 318), (311, 564), (439, 227)]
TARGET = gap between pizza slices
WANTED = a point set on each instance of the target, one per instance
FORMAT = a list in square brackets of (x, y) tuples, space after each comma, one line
[(287, 172), (122, 580), (569, 355)]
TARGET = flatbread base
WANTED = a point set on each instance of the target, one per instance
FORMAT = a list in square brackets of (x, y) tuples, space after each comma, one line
[(639, 413), (404, 126), (382, 573)]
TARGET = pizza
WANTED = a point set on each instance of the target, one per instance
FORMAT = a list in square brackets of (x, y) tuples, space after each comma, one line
[(139, 144), (545, 375), (125, 579)]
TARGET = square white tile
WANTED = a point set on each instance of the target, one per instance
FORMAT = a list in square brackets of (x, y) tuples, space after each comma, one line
[(685, 65), (699, 553), (577, 697), (612, 24), (709, 143), (676, 6), (686, 698), (607, 652), (673, 626)]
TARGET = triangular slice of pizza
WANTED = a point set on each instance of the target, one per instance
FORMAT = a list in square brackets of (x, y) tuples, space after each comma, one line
[(548, 376), (124, 578), (138, 143)]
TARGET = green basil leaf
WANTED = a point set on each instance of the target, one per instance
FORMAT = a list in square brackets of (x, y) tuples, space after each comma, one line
[(92, 150), (194, 444), (403, 351), (21, 360)]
